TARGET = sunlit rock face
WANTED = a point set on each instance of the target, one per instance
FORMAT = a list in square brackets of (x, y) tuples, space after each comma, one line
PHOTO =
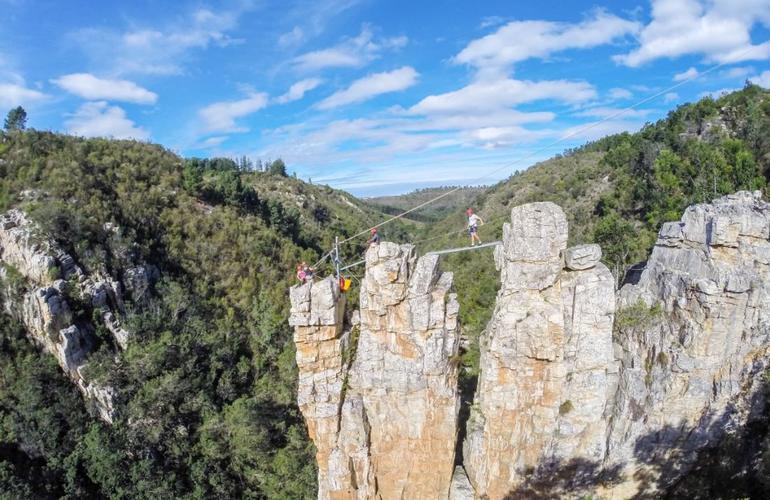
[(582, 390), (546, 356), (31, 267), (385, 388), (691, 366)]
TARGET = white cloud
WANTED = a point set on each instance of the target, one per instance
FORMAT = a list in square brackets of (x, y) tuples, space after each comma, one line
[(298, 90), (213, 142), (670, 97), (151, 50), (762, 80), (620, 94), (89, 87), (99, 119), (738, 72), (686, 75), (16, 94), (350, 53), (292, 38), (719, 30), (614, 113), (371, 86), (493, 95), (521, 40), (220, 116)]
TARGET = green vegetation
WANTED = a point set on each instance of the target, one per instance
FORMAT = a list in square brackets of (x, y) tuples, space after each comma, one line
[(617, 191), (16, 119), (207, 384), (635, 317), (566, 407)]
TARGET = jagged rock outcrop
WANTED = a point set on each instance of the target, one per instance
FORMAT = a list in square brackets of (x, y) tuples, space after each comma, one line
[(544, 381), (384, 420), (562, 401), (40, 302), (583, 389), (694, 340)]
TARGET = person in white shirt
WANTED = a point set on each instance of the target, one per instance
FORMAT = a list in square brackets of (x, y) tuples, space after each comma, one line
[(473, 226)]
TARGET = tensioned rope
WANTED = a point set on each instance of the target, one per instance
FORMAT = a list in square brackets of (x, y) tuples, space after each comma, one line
[(554, 143)]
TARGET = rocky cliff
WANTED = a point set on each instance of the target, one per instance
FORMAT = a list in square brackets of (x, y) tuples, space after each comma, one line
[(693, 341), (546, 357), (380, 392), (40, 282), (583, 389)]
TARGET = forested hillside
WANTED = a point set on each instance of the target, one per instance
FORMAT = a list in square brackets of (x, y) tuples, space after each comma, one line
[(435, 211), (207, 385), (617, 191)]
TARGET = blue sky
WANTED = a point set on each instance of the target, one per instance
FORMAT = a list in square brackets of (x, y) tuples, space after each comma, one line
[(375, 97)]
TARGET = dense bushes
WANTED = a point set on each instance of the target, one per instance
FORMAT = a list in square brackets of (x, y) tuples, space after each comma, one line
[(207, 385), (700, 152)]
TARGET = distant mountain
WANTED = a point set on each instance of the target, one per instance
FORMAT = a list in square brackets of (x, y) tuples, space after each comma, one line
[(455, 202)]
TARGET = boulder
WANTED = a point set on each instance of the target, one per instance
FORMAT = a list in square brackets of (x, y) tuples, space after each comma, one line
[(582, 257)]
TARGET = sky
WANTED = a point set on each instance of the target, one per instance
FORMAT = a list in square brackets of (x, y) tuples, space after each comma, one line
[(374, 97)]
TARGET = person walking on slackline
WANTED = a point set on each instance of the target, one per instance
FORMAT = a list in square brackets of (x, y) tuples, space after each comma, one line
[(473, 226)]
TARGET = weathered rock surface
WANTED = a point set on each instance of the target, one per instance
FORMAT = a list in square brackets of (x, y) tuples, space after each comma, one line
[(689, 372), (385, 425), (42, 305), (582, 257), (566, 405), (544, 380)]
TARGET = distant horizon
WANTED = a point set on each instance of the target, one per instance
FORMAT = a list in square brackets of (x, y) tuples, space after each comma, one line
[(375, 98)]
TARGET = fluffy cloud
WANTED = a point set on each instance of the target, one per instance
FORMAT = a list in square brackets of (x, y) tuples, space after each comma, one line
[(220, 116), (483, 96), (16, 94), (620, 94), (98, 119), (719, 30), (521, 40), (686, 75), (298, 90), (89, 87), (762, 80), (292, 38), (604, 112), (371, 86), (670, 97), (350, 53), (150, 50)]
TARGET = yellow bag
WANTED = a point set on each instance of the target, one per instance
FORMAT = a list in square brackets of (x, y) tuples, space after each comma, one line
[(345, 284)]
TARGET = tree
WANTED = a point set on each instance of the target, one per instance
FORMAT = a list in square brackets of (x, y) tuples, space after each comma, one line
[(16, 119), (278, 167)]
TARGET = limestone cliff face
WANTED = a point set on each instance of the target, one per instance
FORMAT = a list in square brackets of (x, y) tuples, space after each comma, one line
[(34, 270), (690, 371), (545, 358), (385, 423), (583, 389)]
